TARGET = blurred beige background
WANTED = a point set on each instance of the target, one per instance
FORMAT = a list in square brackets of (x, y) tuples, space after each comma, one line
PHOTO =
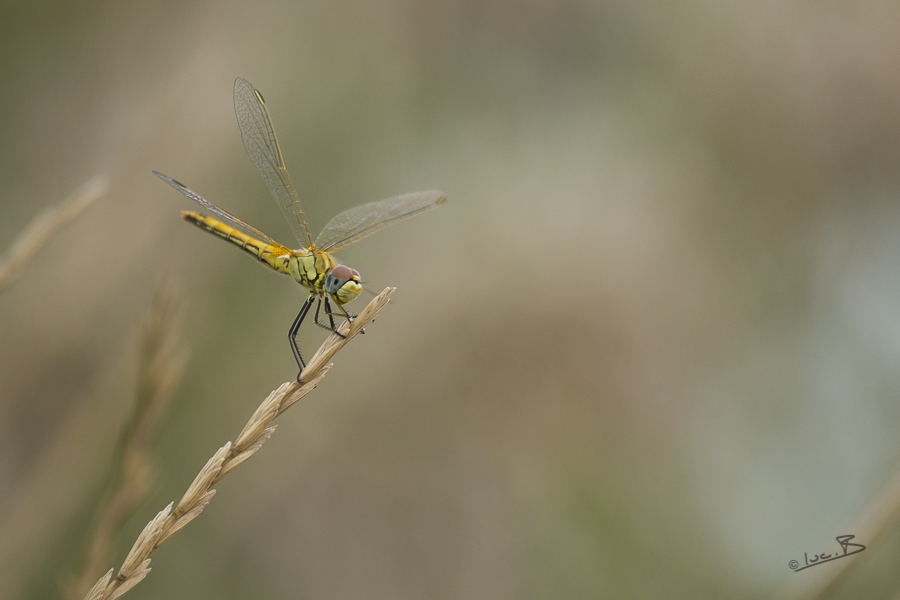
[(648, 349)]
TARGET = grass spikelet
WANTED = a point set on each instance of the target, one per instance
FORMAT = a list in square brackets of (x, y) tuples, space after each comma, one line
[(247, 453), (144, 545), (251, 438), (203, 481), (142, 571), (195, 509), (261, 419), (96, 592)]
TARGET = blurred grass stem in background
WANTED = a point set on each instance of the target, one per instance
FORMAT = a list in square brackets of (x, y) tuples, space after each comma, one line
[(254, 434), (42, 229), (161, 365)]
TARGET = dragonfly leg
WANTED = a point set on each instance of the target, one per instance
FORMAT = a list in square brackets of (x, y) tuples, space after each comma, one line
[(329, 313), (332, 329), (292, 334), (345, 314)]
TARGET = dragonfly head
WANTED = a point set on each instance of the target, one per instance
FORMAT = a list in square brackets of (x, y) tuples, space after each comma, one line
[(343, 284)]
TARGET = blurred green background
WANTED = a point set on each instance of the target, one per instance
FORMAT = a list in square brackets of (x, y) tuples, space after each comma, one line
[(648, 348)]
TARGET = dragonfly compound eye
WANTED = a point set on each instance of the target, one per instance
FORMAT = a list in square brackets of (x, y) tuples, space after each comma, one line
[(342, 272), (343, 284)]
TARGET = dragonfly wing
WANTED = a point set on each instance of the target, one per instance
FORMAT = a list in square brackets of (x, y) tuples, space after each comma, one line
[(217, 211), (262, 146), (353, 225)]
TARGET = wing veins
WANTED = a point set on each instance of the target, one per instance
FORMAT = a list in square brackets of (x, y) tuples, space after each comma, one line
[(219, 212), (261, 144), (362, 221)]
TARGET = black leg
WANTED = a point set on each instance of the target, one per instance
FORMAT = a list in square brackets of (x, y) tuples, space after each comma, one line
[(332, 329), (344, 312), (292, 334), (330, 315)]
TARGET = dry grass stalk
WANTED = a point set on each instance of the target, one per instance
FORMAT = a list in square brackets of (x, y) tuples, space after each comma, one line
[(160, 368), (254, 434), (42, 229), (95, 592)]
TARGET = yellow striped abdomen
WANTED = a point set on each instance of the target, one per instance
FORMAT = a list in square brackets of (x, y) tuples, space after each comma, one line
[(306, 268), (277, 257)]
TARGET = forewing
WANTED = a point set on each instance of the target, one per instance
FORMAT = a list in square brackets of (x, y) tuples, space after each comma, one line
[(251, 230), (353, 225), (262, 146)]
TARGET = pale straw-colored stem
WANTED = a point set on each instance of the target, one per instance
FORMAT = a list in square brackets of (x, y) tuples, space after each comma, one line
[(254, 434), (42, 229)]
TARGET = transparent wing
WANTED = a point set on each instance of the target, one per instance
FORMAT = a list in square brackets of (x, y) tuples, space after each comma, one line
[(353, 225), (262, 146), (217, 211)]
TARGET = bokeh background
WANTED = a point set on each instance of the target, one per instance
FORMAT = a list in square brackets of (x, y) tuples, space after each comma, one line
[(648, 349)]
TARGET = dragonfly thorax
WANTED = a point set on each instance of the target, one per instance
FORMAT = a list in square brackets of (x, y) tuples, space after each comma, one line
[(320, 274), (343, 284), (310, 269)]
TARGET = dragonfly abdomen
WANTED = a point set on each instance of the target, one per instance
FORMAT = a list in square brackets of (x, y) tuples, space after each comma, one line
[(274, 256)]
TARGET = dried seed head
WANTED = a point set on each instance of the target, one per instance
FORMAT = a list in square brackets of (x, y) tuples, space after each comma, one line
[(144, 545), (96, 592), (203, 480)]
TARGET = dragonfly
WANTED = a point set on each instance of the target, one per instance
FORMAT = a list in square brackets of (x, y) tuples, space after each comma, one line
[(312, 265)]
